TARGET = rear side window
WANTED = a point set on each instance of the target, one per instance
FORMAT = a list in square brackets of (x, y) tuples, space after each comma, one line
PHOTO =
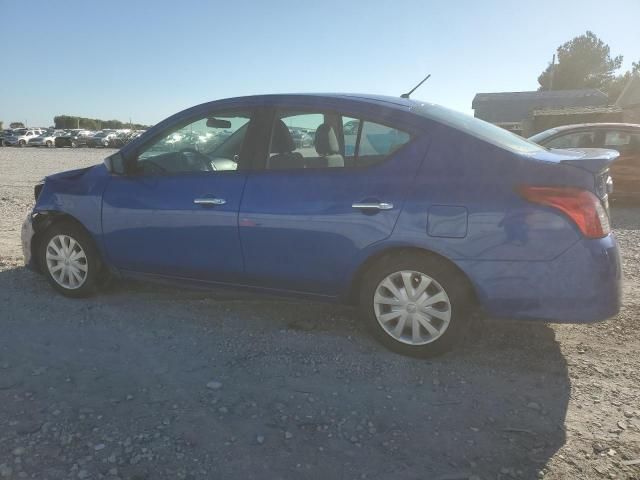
[(330, 140), (379, 140), (622, 141)]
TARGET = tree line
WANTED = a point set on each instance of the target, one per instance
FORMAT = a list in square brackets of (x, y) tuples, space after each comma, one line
[(69, 121), (586, 62)]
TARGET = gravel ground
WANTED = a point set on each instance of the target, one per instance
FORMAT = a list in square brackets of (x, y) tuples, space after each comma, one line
[(144, 382)]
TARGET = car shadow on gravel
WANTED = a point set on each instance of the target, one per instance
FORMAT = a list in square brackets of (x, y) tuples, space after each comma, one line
[(160, 383)]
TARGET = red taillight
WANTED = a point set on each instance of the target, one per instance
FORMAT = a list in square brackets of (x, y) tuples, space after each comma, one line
[(581, 206)]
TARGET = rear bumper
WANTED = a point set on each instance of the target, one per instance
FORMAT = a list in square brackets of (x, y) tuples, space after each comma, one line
[(582, 285)]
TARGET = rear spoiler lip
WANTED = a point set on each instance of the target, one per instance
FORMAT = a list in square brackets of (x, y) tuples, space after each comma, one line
[(594, 160)]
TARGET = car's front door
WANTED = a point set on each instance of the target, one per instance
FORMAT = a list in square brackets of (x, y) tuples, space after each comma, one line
[(176, 212), (308, 214)]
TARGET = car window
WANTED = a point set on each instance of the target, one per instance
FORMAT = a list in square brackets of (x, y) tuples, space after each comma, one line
[(350, 130), (380, 140), (292, 142), (623, 141), (617, 138), (583, 139), (210, 144), (329, 140)]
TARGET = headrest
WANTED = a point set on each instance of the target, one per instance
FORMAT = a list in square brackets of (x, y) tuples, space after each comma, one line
[(326, 141), (281, 141)]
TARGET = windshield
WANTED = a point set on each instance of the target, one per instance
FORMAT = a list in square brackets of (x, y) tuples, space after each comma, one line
[(478, 128)]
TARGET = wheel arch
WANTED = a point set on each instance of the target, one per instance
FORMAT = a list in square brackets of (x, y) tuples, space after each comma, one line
[(42, 221), (356, 280)]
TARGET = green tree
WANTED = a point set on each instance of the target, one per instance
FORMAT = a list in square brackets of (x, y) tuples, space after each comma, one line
[(584, 62), (0, 124), (16, 125), (68, 121)]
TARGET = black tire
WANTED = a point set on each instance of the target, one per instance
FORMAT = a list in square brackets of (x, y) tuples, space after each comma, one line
[(49, 144), (454, 283), (74, 144), (93, 262), (22, 143)]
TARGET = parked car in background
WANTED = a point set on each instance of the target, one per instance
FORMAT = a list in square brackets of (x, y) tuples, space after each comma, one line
[(122, 138), (22, 136), (623, 137), (73, 139), (47, 139), (350, 127), (119, 140), (301, 137), (434, 216), (100, 139)]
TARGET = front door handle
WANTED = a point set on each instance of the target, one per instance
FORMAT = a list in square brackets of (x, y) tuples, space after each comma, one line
[(209, 201), (373, 206)]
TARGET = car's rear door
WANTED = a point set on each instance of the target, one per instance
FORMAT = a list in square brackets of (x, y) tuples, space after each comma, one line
[(176, 213), (626, 169), (309, 212)]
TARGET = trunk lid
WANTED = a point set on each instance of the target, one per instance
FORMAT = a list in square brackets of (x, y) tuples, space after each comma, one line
[(593, 160)]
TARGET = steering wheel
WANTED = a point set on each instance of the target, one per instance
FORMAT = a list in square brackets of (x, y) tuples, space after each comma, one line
[(205, 161)]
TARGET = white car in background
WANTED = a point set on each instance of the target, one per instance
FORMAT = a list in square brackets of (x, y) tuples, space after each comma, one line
[(22, 136), (47, 139)]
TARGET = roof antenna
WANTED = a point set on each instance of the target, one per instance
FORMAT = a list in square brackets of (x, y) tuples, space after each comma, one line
[(406, 95)]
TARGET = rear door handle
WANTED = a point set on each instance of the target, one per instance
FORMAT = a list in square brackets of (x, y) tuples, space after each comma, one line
[(209, 201), (373, 206)]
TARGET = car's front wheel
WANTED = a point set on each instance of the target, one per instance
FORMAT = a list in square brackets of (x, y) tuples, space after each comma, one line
[(69, 260), (415, 304)]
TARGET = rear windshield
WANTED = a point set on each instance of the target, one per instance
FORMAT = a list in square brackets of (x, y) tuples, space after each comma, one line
[(539, 137), (478, 128)]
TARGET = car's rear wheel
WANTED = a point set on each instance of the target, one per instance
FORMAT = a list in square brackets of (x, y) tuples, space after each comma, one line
[(49, 143), (415, 304), (69, 260), (22, 143)]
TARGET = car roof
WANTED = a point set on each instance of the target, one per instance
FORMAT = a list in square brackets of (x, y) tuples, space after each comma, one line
[(581, 126), (383, 100)]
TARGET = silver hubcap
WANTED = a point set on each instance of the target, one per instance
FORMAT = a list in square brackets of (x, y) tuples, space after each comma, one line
[(412, 307), (67, 262)]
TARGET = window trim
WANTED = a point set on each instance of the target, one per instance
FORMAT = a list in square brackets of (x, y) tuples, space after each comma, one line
[(272, 113)]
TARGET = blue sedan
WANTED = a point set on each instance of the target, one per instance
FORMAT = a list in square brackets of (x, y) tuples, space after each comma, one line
[(419, 215)]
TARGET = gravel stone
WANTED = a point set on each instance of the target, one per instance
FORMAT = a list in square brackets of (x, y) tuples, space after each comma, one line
[(129, 368)]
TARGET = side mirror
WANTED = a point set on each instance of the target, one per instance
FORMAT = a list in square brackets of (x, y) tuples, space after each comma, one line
[(218, 123), (115, 164)]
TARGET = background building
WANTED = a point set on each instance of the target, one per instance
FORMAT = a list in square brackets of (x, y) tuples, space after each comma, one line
[(514, 110)]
